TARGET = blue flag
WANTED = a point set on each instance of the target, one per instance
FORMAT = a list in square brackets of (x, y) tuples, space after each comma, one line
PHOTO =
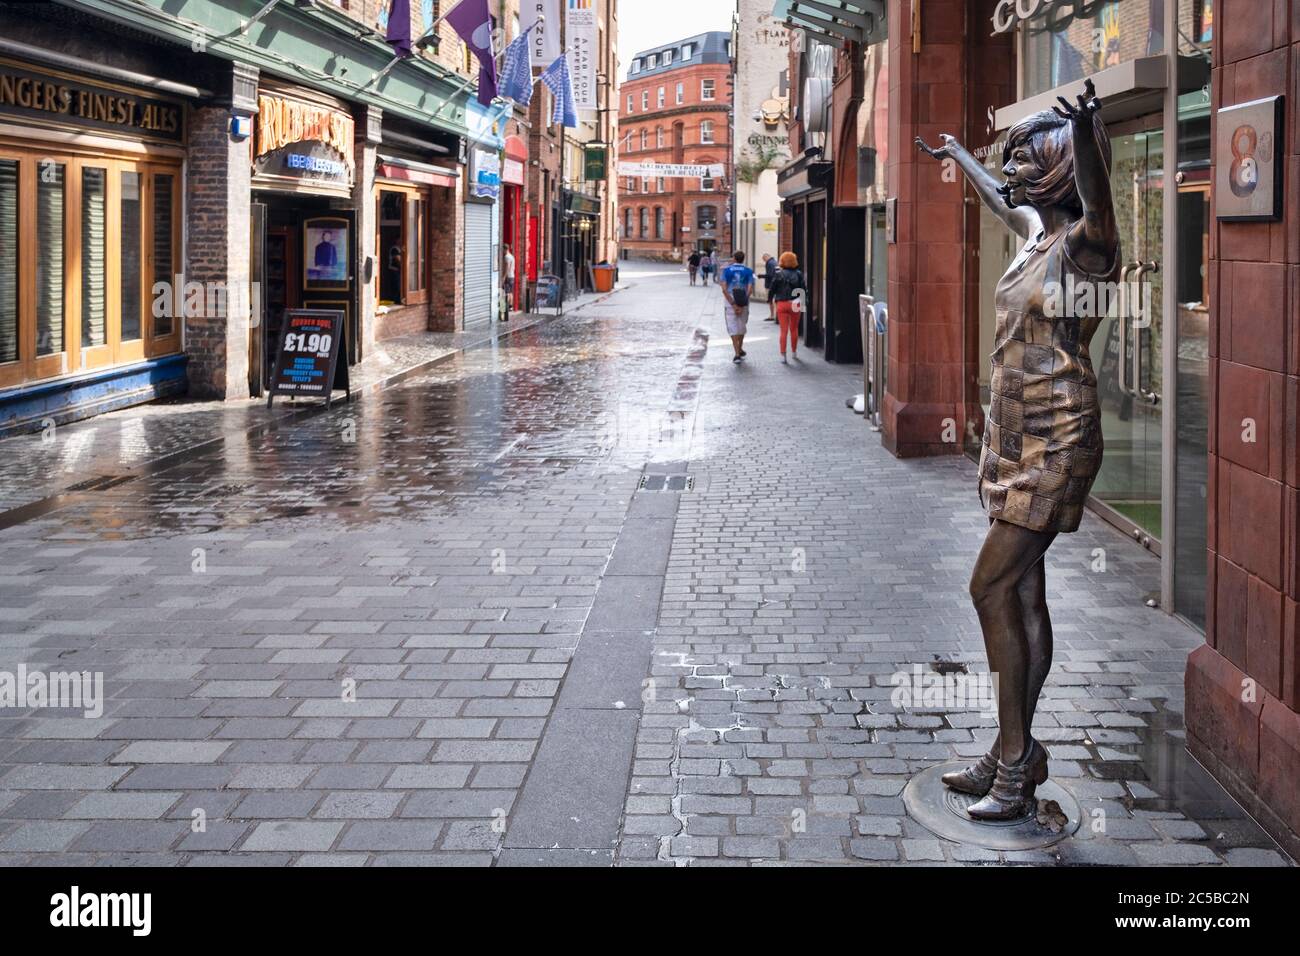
[(516, 79), (559, 82)]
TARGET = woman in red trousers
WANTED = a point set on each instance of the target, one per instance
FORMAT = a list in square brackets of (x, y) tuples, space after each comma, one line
[(788, 293)]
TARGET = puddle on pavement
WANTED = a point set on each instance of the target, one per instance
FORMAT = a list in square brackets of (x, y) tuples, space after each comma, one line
[(1165, 777), (568, 399)]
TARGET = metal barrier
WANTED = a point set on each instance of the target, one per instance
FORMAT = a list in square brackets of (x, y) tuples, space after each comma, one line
[(874, 317)]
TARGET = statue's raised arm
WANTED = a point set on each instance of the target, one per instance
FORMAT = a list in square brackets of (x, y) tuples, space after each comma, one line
[(1021, 219), (1093, 240)]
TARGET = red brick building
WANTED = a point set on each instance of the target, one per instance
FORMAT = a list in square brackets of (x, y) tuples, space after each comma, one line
[(675, 107), (1198, 401), (1202, 461)]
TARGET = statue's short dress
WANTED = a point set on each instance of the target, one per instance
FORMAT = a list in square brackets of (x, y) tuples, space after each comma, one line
[(1042, 441)]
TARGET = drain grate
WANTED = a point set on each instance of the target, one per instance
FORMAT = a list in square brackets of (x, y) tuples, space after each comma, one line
[(667, 483)]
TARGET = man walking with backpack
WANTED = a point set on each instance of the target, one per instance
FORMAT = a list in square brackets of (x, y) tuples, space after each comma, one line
[(737, 281)]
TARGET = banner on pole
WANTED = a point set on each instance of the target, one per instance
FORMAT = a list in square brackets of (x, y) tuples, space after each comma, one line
[(671, 170), (545, 39), (581, 34)]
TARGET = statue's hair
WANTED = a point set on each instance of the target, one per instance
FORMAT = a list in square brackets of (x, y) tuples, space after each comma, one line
[(1050, 140)]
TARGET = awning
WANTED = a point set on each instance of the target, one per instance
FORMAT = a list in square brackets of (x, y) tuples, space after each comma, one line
[(411, 171), (834, 21)]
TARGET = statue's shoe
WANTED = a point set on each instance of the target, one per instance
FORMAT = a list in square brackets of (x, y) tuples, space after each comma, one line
[(1012, 794), (975, 779)]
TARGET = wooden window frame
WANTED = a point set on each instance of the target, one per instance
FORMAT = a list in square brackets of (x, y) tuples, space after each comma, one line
[(424, 195), (31, 368)]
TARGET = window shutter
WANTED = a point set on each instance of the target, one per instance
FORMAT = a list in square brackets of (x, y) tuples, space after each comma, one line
[(8, 260), (163, 265), (94, 304), (49, 258)]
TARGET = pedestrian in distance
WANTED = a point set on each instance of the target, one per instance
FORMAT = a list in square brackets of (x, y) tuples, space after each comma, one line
[(769, 273), (509, 286), (787, 294), (737, 281), (693, 264), (706, 268)]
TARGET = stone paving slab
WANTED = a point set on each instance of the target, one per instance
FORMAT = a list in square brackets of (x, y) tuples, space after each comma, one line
[(398, 633), (809, 572)]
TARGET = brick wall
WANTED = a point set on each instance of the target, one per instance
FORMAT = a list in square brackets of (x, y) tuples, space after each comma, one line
[(924, 399), (447, 233), (1243, 685), (402, 320), (363, 201), (216, 250)]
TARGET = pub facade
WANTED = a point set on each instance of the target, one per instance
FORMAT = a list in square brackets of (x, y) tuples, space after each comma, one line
[(172, 179)]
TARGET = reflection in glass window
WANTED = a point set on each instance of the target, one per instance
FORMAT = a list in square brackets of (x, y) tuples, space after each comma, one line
[(415, 245), (130, 256), (1063, 45)]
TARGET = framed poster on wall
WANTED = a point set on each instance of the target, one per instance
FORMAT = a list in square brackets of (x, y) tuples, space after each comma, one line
[(326, 249), (1248, 161)]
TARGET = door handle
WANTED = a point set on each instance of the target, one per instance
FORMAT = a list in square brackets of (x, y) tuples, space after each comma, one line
[(1124, 319), (1138, 391)]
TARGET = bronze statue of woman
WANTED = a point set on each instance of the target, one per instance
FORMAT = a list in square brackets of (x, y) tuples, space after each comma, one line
[(1042, 440)]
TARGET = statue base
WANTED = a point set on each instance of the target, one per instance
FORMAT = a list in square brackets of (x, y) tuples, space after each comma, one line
[(943, 812)]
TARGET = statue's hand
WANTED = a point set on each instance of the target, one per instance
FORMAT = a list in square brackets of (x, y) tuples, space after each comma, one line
[(938, 152), (1088, 104)]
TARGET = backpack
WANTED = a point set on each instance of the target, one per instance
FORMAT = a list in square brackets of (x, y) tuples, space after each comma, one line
[(740, 295), (786, 282)]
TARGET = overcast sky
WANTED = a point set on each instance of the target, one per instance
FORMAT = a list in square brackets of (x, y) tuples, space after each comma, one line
[(647, 23)]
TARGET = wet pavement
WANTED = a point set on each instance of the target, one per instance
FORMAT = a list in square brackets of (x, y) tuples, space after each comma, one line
[(586, 594)]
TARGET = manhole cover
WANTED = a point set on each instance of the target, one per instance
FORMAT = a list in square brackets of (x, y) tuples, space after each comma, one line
[(943, 813)]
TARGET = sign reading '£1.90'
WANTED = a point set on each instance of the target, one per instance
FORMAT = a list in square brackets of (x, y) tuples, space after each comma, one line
[(307, 362)]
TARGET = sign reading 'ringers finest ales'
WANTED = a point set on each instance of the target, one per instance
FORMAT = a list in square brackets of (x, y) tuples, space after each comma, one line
[(50, 97), (308, 360)]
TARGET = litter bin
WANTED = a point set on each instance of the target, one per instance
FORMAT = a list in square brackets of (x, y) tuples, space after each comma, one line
[(602, 277)]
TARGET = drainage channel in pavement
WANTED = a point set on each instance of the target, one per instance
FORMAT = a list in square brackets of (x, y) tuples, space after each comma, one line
[(570, 811)]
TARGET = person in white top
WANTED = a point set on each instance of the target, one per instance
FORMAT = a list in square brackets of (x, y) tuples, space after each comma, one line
[(510, 280)]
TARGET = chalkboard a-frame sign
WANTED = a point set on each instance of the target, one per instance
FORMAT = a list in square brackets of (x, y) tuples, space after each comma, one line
[(307, 363)]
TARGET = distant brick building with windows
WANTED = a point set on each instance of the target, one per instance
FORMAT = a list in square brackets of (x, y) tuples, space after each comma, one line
[(675, 107)]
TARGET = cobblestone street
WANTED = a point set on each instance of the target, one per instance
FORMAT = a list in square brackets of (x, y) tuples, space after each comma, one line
[(585, 594)]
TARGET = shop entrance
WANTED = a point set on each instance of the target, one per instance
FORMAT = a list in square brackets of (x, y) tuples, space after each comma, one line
[(302, 258), (1127, 348)]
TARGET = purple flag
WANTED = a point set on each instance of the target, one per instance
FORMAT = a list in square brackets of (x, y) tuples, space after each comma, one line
[(471, 19), (399, 27)]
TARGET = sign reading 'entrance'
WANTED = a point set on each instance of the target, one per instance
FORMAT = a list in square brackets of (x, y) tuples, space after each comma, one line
[(308, 359)]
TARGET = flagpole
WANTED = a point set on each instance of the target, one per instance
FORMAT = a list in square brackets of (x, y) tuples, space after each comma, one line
[(388, 68)]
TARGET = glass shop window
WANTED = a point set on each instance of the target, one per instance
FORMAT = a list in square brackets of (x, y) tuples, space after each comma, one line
[(402, 245), (1067, 42)]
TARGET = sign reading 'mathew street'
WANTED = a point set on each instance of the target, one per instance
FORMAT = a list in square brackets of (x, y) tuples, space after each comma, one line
[(670, 170)]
